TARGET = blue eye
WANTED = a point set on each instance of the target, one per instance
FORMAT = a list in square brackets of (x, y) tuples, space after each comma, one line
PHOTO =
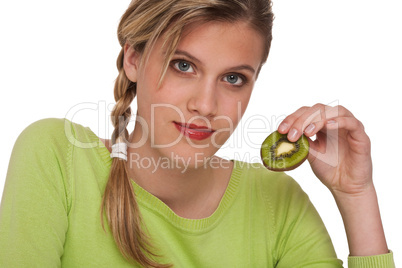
[(233, 79), (183, 66)]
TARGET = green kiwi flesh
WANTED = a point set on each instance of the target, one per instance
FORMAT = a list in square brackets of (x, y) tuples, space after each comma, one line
[(280, 154)]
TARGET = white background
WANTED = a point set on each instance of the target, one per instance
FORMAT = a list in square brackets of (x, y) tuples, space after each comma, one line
[(55, 55)]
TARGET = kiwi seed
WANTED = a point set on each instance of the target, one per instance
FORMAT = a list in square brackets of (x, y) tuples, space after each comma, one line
[(280, 154)]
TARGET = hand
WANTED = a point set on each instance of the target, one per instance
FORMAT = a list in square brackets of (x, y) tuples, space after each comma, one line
[(340, 155)]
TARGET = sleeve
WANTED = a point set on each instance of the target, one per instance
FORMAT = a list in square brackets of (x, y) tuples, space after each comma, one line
[(34, 207), (383, 261), (301, 239)]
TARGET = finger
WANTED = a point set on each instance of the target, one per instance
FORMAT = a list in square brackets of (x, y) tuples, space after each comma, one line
[(337, 111), (288, 121), (355, 128), (317, 147), (310, 120), (309, 123), (314, 119), (318, 123)]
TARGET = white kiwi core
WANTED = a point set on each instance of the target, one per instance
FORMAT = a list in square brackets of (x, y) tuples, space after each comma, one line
[(285, 148)]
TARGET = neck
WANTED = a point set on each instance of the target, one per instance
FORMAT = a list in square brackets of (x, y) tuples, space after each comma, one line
[(191, 192)]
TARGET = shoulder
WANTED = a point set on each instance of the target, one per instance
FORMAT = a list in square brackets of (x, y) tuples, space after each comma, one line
[(55, 134), (42, 133), (55, 128), (45, 128)]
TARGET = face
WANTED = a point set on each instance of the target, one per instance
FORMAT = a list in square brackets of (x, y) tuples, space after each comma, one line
[(204, 93)]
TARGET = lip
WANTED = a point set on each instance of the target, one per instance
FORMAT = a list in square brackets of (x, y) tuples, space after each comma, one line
[(193, 131)]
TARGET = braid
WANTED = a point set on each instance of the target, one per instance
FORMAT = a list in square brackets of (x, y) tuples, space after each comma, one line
[(124, 93), (119, 201)]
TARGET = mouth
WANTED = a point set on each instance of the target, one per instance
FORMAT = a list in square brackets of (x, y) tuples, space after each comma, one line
[(193, 131)]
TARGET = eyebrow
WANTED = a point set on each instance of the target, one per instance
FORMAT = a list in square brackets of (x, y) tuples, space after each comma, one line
[(188, 55), (236, 68)]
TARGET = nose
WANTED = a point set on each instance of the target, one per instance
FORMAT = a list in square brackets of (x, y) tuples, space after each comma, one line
[(204, 99)]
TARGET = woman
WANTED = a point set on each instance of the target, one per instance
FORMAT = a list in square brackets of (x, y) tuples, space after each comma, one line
[(191, 64)]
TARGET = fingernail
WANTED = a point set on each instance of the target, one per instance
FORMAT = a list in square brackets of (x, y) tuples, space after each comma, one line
[(331, 121), (283, 127), (310, 128), (292, 134)]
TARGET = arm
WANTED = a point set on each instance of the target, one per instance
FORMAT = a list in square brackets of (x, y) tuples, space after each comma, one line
[(340, 157), (361, 217), (34, 207)]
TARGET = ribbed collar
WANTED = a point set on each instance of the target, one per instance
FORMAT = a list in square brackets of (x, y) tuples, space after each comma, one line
[(154, 204)]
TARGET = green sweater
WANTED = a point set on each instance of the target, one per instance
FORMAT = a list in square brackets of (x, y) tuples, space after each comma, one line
[(50, 213)]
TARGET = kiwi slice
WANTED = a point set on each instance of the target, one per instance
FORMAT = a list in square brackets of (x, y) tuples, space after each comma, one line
[(280, 154)]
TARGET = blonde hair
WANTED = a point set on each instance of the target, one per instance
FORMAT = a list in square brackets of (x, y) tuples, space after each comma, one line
[(141, 25)]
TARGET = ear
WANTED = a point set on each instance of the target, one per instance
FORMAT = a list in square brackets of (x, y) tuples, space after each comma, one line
[(130, 62)]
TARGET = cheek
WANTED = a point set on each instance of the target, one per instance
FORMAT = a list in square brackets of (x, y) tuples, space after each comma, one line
[(175, 90), (235, 106), (150, 96)]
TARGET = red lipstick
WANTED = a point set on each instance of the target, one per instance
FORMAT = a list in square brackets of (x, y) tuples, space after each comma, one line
[(193, 131)]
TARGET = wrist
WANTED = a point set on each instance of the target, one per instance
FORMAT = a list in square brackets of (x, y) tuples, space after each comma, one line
[(361, 192), (361, 217)]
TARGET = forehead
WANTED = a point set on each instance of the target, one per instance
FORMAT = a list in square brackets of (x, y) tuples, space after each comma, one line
[(237, 40)]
